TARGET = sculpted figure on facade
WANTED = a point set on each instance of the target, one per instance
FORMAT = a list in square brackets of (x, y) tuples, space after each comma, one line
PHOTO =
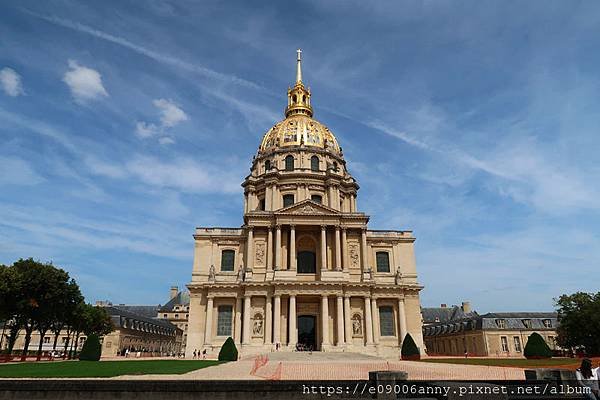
[(357, 325), (211, 273), (398, 276), (260, 253), (257, 329), (354, 256)]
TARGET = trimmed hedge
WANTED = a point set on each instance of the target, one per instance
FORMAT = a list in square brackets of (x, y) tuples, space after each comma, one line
[(537, 347), (409, 350), (91, 349), (228, 351)]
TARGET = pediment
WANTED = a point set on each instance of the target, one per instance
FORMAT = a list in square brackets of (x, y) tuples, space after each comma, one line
[(307, 207)]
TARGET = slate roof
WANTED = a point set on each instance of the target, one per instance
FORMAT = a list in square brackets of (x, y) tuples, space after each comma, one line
[(512, 321), (432, 315), (182, 299), (145, 311), (120, 317)]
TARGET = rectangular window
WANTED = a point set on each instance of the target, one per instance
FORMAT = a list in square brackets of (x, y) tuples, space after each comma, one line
[(288, 200), (386, 321), (517, 341), (383, 261), (501, 323), (316, 198), (46, 339), (527, 323), (227, 260), (224, 319), (547, 323), (504, 343)]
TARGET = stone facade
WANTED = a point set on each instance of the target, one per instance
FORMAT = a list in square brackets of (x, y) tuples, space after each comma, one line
[(304, 270), (492, 334), (176, 311)]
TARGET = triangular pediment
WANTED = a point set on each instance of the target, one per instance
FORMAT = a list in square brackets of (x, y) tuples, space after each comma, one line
[(307, 207)]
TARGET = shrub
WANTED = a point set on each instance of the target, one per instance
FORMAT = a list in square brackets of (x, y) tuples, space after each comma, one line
[(537, 347), (228, 351), (91, 349), (409, 350)]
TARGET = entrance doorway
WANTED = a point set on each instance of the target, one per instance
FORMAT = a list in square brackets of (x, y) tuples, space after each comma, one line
[(307, 332)]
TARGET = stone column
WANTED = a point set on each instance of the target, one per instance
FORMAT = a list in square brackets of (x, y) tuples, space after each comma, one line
[(325, 319), (338, 251), (344, 250), (268, 198), (292, 265), (363, 249), (323, 247), (246, 327), (268, 320), (368, 321), (250, 252), (340, 321), (402, 319), (208, 326), (278, 247), (375, 316), (348, 320), (330, 198), (277, 319), (238, 321), (292, 320), (269, 249)]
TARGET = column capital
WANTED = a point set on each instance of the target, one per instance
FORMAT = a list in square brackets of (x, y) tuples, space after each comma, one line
[(337, 227), (292, 226), (278, 226), (343, 228), (323, 227), (247, 296)]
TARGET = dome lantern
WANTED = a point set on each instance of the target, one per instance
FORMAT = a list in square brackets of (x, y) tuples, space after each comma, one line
[(298, 95)]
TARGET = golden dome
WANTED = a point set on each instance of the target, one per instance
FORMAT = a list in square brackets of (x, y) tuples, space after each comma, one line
[(299, 128), (296, 130)]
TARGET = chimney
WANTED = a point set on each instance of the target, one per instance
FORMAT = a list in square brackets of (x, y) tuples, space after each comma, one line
[(466, 307), (443, 305), (173, 292)]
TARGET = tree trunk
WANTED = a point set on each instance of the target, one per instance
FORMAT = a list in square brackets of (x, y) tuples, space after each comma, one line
[(28, 332), (76, 344), (56, 334), (42, 332), (12, 339), (67, 344), (2, 337)]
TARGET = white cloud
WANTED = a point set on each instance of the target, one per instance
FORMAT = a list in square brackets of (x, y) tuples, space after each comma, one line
[(145, 129), (85, 83), (170, 113), (165, 140), (14, 171), (10, 81)]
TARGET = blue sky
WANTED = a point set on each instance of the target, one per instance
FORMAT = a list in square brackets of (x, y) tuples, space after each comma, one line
[(475, 124)]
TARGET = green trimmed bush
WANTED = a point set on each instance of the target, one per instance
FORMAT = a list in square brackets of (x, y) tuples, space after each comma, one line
[(409, 350), (537, 347), (91, 349), (228, 351)]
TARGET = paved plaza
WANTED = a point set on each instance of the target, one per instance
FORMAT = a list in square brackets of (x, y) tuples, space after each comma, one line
[(337, 366)]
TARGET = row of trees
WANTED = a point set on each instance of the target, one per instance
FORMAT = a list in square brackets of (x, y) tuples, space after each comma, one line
[(579, 322), (37, 296)]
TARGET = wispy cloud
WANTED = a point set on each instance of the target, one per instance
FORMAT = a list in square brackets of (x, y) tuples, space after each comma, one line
[(15, 171), (157, 56), (10, 81)]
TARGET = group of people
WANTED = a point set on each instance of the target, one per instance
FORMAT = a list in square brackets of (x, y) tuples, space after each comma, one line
[(587, 376), (197, 354)]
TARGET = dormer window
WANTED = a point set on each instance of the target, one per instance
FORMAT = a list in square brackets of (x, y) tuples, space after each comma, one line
[(526, 323), (501, 323), (547, 323)]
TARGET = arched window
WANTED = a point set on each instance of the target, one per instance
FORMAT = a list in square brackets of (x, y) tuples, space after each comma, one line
[(317, 198), (335, 167), (383, 261), (267, 165), (289, 163), (227, 260), (288, 200), (314, 163)]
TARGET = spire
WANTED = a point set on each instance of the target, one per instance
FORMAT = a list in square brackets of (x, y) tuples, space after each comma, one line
[(299, 66), (298, 96)]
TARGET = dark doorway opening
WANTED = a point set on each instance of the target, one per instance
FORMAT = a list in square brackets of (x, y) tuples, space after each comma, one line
[(307, 333), (307, 262)]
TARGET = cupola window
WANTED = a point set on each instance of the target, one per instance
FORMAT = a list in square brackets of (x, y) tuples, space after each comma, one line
[(317, 198), (314, 163), (288, 200), (267, 165), (289, 163)]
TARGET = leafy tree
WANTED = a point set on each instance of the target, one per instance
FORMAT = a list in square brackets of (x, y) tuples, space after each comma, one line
[(98, 321), (409, 350), (536, 347), (579, 321), (91, 349), (228, 351), (66, 307)]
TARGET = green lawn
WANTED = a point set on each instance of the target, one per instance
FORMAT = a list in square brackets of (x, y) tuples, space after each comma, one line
[(508, 362), (101, 369)]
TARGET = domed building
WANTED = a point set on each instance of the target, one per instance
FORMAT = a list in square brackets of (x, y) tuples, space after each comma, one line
[(304, 271)]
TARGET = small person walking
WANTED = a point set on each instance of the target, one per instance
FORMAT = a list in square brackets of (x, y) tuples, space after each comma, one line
[(194, 355)]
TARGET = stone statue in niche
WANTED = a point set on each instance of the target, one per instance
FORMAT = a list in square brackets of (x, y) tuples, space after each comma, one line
[(240, 275), (398, 276), (370, 273), (260, 253), (211, 273), (357, 325), (257, 327)]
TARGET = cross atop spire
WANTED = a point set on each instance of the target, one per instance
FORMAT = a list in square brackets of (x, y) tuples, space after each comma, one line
[(299, 66)]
